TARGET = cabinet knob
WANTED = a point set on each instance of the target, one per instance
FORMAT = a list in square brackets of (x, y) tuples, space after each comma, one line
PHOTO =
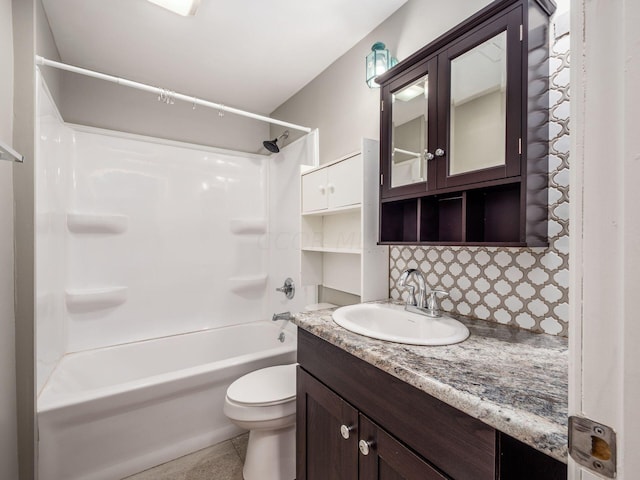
[(331, 187), (322, 189), (345, 431), (429, 155), (439, 152), (364, 447)]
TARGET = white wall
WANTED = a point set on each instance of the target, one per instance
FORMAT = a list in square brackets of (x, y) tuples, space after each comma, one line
[(187, 253), (339, 102), (8, 440), (53, 150), (284, 223), (97, 103)]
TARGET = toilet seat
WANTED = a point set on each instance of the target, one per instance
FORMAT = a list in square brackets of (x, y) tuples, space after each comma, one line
[(265, 387), (264, 402)]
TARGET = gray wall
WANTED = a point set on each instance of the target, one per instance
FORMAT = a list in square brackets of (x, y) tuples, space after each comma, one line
[(24, 18), (46, 47), (8, 450), (97, 103), (338, 101)]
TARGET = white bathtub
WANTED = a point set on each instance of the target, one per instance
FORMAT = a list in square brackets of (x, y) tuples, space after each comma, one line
[(112, 412)]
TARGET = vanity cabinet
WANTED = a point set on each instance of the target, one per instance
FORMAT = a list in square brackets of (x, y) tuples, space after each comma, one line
[(464, 133), (345, 444), (356, 422)]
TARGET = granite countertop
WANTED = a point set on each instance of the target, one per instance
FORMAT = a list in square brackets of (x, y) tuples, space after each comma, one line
[(511, 379)]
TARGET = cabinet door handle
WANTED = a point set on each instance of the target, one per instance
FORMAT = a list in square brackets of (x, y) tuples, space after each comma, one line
[(322, 189), (439, 152), (345, 431), (364, 446), (331, 187), (429, 155)]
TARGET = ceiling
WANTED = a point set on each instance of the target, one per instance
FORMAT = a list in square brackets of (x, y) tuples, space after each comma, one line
[(249, 54)]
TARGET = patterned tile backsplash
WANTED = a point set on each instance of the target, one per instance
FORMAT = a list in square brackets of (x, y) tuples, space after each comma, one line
[(524, 287)]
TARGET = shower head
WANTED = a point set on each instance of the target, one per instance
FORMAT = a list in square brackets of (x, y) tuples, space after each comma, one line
[(272, 145)]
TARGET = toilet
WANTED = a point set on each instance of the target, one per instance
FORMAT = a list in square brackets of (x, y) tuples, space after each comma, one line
[(264, 402)]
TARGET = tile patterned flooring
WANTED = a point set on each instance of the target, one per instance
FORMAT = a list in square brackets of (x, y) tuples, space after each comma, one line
[(220, 462)]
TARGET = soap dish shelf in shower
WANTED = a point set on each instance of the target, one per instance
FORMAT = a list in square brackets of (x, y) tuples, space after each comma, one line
[(248, 226), (96, 223), (91, 299), (248, 283)]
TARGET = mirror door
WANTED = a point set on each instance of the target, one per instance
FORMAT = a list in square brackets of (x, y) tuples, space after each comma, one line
[(410, 123), (481, 101)]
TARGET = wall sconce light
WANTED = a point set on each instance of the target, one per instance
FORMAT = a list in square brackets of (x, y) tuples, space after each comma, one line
[(378, 62)]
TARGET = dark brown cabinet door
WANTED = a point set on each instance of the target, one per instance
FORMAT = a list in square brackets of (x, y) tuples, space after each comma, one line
[(382, 457), (480, 104), (409, 132), (323, 421)]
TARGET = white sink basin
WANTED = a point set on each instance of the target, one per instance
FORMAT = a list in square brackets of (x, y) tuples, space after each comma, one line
[(395, 324)]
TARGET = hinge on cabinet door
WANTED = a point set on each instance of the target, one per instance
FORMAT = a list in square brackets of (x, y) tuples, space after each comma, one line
[(382, 105), (593, 445), (520, 146), (381, 180), (521, 32)]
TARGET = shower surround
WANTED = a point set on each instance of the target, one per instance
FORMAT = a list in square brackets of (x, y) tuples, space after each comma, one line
[(140, 242)]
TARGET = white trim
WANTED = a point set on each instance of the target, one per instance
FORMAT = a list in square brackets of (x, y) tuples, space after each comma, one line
[(162, 141)]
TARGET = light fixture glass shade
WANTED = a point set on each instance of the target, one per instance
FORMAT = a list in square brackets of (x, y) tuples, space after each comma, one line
[(378, 62), (181, 7)]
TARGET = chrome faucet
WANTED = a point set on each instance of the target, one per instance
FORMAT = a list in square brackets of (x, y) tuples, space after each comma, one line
[(281, 316), (422, 289), (427, 302), (286, 316)]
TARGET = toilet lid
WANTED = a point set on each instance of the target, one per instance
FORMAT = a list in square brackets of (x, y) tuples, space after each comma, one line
[(265, 386)]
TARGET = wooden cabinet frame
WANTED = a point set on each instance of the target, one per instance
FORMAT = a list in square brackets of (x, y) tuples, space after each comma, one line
[(524, 173)]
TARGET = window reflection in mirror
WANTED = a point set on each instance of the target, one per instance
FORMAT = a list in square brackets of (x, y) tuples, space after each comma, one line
[(409, 133), (478, 107)]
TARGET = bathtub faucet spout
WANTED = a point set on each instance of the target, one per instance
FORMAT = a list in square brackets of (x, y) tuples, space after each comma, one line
[(286, 316), (281, 316)]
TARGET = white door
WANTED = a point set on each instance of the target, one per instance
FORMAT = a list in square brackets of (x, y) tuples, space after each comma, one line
[(344, 182), (604, 331), (314, 191)]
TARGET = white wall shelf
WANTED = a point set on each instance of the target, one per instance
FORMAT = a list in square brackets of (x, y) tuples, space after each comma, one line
[(78, 222), (91, 299), (332, 211), (353, 251), (339, 224), (246, 284), (248, 226)]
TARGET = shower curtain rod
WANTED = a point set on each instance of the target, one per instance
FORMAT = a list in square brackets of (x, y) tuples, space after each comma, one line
[(165, 94)]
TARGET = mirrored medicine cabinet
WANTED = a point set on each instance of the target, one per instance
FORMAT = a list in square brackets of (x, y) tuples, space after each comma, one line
[(463, 156)]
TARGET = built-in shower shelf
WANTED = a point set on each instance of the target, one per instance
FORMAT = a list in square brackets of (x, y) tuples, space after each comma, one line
[(248, 226), (248, 283), (89, 299), (97, 223)]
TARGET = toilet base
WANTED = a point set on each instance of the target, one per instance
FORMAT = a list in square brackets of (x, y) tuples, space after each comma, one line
[(271, 455)]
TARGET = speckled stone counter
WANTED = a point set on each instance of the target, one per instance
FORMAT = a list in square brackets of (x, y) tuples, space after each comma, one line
[(511, 379)]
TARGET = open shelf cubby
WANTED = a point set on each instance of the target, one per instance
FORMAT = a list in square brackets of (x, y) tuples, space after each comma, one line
[(399, 221), (482, 216), (493, 214), (441, 218)]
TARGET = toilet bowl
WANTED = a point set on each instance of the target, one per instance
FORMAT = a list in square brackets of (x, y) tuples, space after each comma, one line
[(264, 402)]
